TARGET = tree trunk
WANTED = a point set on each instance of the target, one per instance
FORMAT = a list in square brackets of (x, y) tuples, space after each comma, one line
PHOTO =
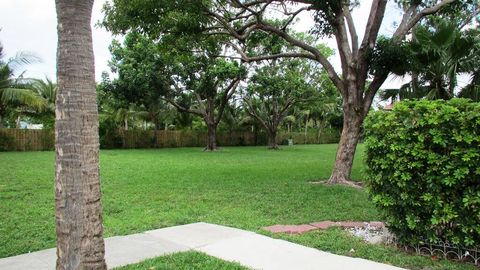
[(306, 130), (126, 123), (1, 121), (211, 137), (319, 132), (346, 148), (272, 140), (17, 123), (78, 210)]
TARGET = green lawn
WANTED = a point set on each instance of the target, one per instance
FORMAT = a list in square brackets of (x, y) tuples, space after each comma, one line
[(184, 261), (244, 187)]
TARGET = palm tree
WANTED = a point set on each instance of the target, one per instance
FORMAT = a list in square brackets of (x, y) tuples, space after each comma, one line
[(472, 66), (439, 55), (14, 93), (78, 210), (46, 90)]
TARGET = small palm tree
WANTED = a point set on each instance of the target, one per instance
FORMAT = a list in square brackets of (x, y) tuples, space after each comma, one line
[(45, 90), (15, 94)]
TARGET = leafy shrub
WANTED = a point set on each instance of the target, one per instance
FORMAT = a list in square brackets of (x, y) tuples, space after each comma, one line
[(423, 170)]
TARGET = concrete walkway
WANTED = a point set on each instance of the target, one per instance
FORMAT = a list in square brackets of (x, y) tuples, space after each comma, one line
[(249, 249)]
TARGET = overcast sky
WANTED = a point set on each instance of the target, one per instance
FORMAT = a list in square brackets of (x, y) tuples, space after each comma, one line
[(30, 25)]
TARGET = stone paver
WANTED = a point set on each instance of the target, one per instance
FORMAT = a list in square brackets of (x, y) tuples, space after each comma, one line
[(248, 248), (323, 225), (291, 229)]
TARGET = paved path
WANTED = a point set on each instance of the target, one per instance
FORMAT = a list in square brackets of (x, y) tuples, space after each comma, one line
[(249, 249)]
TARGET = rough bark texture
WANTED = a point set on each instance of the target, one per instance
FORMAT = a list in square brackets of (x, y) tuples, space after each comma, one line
[(211, 137), (346, 148), (78, 209), (272, 140)]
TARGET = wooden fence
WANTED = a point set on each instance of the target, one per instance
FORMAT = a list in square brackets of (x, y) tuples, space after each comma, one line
[(26, 139), (40, 140)]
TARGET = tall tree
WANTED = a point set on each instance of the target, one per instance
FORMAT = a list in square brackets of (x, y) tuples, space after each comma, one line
[(360, 61), (191, 76), (274, 89), (211, 82), (78, 210), (239, 19)]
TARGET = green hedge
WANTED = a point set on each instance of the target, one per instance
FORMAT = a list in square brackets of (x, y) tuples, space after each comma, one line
[(423, 170)]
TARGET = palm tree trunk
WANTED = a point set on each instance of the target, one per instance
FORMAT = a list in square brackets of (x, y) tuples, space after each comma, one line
[(78, 208)]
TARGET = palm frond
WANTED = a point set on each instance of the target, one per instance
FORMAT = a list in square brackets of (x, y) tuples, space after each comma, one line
[(23, 97), (21, 59)]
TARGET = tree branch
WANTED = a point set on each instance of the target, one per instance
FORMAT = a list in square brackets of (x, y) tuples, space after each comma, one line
[(352, 30), (228, 93), (409, 21), (377, 12), (183, 109), (300, 44)]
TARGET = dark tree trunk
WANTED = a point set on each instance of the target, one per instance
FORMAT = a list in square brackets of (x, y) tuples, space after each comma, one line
[(346, 148), (211, 137), (2, 114), (78, 210), (319, 132), (272, 140)]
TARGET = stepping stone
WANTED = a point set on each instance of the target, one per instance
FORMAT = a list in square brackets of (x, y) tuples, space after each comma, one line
[(323, 225), (377, 225), (291, 229), (351, 224)]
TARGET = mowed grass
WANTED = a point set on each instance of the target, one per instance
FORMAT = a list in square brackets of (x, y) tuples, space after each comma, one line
[(184, 261), (243, 187)]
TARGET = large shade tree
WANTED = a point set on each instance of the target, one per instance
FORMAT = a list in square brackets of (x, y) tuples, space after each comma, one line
[(192, 77), (78, 210), (274, 89), (361, 60)]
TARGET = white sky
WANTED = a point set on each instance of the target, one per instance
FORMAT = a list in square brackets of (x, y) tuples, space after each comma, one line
[(30, 25)]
